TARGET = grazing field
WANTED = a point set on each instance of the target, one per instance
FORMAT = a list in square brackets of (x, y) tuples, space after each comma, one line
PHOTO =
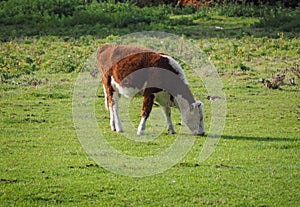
[(255, 163)]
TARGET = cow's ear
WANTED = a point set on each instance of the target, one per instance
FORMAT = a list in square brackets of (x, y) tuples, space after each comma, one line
[(199, 104), (196, 104)]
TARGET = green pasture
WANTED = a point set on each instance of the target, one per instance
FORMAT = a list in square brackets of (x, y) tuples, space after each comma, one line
[(255, 163)]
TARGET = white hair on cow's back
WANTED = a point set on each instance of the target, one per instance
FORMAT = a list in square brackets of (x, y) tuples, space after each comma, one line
[(177, 67)]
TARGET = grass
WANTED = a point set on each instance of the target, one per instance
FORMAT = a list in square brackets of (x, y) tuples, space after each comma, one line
[(256, 162)]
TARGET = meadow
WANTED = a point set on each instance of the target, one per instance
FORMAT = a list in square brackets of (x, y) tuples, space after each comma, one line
[(256, 161)]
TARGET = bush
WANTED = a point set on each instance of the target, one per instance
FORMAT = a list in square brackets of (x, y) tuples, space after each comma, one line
[(116, 15), (148, 3), (281, 19), (18, 12), (285, 3), (59, 17), (241, 10), (32, 11)]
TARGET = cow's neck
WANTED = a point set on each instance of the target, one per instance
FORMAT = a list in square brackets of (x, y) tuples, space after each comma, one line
[(183, 104)]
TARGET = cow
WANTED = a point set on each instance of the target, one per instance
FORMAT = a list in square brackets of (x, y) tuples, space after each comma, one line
[(127, 70)]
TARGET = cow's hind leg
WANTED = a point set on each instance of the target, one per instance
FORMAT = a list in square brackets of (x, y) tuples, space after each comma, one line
[(146, 110), (111, 102), (105, 97), (115, 121)]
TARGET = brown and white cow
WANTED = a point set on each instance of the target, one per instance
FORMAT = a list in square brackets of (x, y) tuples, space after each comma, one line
[(127, 70)]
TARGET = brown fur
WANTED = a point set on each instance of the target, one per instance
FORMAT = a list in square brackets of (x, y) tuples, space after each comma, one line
[(139, 61), (108, 55)]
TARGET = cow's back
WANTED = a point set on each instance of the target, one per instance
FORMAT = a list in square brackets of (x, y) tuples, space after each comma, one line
[(142, 60), (109, 55)]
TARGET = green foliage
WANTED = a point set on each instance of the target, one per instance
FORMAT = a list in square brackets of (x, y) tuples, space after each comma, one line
[(148, 3), (30, 12), (285, 3), (68, 18), (284, 19), (240, 10), (244, 67), (75, 18), (117, 15), (185, 10), (50, 54)]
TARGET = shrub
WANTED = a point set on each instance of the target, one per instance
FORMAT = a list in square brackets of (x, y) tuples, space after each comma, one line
[(148, 3), (240, 10), (32, 11), (282, 19), (117, 15)]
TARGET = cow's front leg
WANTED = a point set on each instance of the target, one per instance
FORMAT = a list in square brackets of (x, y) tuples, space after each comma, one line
[(167, 113), (146, 110)]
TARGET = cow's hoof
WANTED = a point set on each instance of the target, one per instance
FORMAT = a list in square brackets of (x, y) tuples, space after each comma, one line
[(200, 134), (172, 132), (142, 132)]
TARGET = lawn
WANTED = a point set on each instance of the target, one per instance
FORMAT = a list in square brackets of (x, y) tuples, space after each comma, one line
[(255, 163)]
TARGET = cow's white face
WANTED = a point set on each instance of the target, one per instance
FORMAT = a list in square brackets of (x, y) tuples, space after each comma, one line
[(195, 118)]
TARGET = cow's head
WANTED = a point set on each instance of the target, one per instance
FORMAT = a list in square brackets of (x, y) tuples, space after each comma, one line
[(194, 118)]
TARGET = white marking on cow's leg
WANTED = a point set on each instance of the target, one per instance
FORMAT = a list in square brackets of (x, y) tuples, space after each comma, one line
[(146, 110), (118, 124), (116, 119), (142, 126), (167, 113), (112, 119)]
